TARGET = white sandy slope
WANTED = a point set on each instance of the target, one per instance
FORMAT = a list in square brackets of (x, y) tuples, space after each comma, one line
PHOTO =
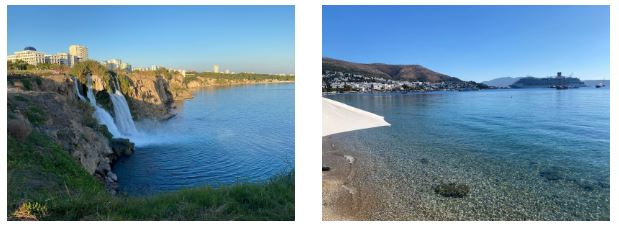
[(338, 117)]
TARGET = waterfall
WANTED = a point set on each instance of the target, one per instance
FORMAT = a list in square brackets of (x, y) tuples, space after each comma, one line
[(122, 114), (77, 90), (100, 114)]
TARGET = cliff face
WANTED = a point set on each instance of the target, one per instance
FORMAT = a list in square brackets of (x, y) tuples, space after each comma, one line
[(50, 107)]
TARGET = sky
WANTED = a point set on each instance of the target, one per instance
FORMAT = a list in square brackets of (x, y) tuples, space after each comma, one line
[(476, 43), (239, 38)]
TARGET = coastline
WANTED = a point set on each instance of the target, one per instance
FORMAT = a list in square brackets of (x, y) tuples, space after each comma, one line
[(232, 84)]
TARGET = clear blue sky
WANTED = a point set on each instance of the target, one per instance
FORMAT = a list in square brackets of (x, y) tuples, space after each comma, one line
[(239, 38), (474, 42)]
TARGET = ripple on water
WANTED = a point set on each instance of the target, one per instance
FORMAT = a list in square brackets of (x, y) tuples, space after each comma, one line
[(220, 137)]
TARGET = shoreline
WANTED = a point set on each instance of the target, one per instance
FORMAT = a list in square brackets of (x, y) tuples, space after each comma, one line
[(214, 86), (348, 190)]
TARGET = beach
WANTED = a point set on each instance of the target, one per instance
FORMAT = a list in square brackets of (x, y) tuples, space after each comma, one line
[(513, 164)]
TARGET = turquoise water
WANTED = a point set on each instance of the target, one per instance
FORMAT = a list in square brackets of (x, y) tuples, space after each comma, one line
[(221, 136), (528, 154)]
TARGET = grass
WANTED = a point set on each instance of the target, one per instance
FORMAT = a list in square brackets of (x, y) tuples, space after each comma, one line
[(35, 115), (46, 183)]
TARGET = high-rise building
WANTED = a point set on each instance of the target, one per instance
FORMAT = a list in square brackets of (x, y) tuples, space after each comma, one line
[(29, 55), (216, 68), (79, 50)]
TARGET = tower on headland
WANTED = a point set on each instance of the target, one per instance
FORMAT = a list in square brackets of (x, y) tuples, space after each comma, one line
[(215, 68)]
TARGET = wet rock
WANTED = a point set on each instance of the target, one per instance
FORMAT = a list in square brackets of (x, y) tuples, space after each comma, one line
[(325, 168), (452, 190), (349, 158), (112, 176), (122, 147), (551, 174), (424, 161)]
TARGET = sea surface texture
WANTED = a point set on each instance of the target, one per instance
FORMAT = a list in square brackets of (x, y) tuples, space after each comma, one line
[(221, 136), (525, 154)]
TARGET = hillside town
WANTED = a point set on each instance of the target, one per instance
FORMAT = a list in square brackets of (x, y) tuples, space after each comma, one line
[(336, 81)]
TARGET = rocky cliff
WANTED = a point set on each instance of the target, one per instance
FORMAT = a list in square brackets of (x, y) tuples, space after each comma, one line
[(49, 105), (46, 102)]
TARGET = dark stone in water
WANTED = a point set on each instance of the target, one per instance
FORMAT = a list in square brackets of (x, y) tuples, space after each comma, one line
[(122, 147), (452, 190), (551, 174), (325, 168), (424, 161)]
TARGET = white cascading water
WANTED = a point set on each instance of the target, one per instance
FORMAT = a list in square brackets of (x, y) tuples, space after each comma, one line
[(77, 91), (100, 114), (122, 114)]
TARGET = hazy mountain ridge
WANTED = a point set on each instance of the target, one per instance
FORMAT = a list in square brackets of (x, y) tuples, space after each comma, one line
[(502, 82)]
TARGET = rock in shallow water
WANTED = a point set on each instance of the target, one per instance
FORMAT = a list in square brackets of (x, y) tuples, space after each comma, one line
[(452, 190), (551, 174), (122, 147)]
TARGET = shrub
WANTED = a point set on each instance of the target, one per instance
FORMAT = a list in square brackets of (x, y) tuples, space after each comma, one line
[(35, 115), (18, 128), (29, 211)]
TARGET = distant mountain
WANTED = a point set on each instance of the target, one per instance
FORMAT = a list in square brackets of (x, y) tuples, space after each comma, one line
[(393, 72), (592, 83), (502, 82)]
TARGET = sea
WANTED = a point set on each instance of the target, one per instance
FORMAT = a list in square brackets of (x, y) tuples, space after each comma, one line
[(222, 136), (522, 154)]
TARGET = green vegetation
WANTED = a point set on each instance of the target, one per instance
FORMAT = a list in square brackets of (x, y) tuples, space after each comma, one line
[(18, 65), (35, 115), (22, 65), (26, 80), (90, 67), (45, 183)]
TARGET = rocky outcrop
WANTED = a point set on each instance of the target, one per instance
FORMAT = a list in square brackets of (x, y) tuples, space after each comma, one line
[(122, 147), (56, 112)]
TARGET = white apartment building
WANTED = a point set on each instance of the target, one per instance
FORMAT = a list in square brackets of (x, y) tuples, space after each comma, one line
[(125, 66), (215, 68), (29, 55), (115, 64), (79, 50), (59, 58)]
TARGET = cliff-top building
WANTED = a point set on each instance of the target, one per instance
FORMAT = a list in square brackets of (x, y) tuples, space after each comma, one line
[(79, 50), (115, 64), (29, 55)]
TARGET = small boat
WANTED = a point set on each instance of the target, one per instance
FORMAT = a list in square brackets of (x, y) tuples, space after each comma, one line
[(599, 85), (561, 87)]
